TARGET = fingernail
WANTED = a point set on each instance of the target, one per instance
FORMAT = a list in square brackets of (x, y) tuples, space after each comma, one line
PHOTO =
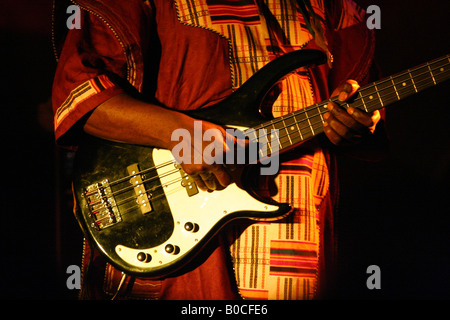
[(350, 110), (343, 96), (355, 85)]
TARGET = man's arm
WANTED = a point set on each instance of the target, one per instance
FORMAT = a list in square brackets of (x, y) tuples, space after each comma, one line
[(126, 119)]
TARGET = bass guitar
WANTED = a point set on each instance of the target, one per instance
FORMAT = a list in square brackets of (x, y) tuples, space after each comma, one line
[(148, 218)]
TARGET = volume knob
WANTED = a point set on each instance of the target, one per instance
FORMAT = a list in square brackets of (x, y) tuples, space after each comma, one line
[(144, 257), (191, 227), (171, 249)]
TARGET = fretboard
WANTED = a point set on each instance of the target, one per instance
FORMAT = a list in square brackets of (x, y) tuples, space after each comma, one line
[(291, 129)]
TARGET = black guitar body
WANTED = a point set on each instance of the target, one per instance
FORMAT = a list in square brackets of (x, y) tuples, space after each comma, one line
[(140, 209)]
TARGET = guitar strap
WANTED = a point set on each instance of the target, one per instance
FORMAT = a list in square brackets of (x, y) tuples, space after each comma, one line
[(313, 23), (314, 26), (305, 8)]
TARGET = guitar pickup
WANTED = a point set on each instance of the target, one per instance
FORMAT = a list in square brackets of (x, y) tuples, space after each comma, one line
[(139, 188), (102, 205), (187, 182)]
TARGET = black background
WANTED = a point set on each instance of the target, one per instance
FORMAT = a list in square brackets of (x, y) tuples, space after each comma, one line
[(393, 214)]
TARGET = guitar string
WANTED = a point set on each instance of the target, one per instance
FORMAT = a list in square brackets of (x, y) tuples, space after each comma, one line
[(388, 99), (417, 83), (392, 97), (318, 105), (137, 206), (373, 85), (131, 186), (176, 180), (115, 182), (357, 100), (134, 197)]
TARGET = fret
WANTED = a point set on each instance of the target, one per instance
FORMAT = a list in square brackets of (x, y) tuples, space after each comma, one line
[(322, 112), (272, 137), (254, 148), (315, 117), (431, 72), (303, 125), (264, 143), (251, 132), (360, 96), (292, 129), (278, 131), (422, 77), (386, 92), (412, 80), (404, 85), (262, 154), (288, 130), (275, 143), (396, 92), (441, 69), (298, 127), (378, 94), (370, 99), (310, 114)]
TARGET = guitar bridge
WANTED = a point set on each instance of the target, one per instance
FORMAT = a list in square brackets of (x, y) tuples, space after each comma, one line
[(102, 205)]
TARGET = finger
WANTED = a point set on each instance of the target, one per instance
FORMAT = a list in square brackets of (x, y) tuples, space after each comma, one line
[(339, 133), (333, 136), (348, 89), (221, 175), (345, 92), (209, 180), (199, 182), (338, 114), (368, 120)]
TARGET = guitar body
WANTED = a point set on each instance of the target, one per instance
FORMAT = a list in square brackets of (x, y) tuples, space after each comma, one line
[(180, 220), (147, 217), (144, 214)]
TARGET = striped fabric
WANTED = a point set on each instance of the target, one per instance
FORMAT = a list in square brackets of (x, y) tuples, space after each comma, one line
[(80, 94), (292, 258), (272, 260), (239, 11), (240, 22), (279, 260)]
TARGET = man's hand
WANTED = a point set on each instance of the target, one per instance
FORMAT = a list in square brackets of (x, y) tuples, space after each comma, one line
[(348, 127), (208, 171), (148, 124)]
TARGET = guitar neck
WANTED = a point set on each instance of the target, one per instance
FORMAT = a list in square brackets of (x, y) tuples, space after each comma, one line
[(291, 129)]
